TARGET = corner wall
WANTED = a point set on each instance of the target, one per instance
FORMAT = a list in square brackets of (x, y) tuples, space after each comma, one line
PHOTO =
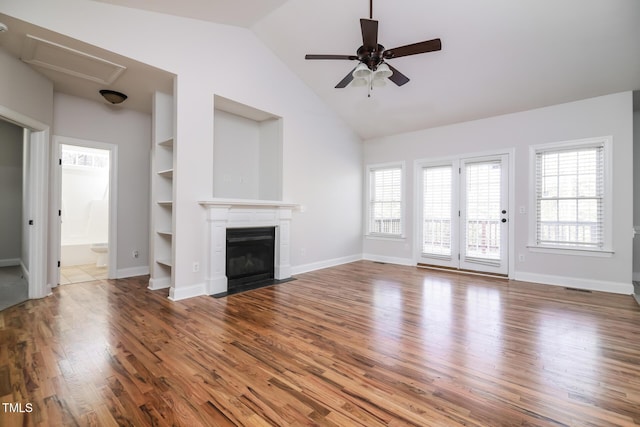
[(602, 116), (131, 132), (322, 157), (636, 193)]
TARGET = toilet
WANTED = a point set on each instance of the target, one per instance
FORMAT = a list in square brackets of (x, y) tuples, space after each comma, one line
[(97, 229), (101, 249)]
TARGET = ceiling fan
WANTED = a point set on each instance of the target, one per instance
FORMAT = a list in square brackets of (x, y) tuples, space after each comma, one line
[(373, 57)]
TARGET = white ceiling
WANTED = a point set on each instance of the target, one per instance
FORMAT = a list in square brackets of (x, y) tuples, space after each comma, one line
[(139, 81), (241, 13), (498, 56)]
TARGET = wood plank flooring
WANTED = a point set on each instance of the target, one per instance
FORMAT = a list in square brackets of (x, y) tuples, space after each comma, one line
[(361, 344)]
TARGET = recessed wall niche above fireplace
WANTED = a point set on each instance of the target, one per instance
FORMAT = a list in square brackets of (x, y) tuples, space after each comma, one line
[(247, 152)]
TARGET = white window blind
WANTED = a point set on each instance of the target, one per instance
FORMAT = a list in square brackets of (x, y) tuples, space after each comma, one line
[(570, 197), (385, 203), (437, 197)]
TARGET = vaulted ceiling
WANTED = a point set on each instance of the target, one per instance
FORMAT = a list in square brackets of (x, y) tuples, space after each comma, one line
[(497, 57)]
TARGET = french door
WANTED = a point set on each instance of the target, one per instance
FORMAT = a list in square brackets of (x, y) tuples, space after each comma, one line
[(463, 223)]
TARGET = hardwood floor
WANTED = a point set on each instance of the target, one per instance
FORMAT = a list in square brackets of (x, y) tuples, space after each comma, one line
[(360, 344)]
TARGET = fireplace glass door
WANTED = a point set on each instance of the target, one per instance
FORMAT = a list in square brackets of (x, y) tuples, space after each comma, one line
[(250, 256)]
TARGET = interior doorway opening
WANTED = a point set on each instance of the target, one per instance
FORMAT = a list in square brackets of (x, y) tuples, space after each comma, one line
[(14, 272), (86, 210)]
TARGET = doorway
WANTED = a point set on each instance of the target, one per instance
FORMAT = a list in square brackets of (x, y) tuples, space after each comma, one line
[(86, 210), (463, 221)]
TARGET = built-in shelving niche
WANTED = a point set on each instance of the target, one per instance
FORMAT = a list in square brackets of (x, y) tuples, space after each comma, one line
[(162, 190), (247, 152)]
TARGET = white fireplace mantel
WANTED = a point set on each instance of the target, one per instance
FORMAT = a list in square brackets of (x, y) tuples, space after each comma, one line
[(243, 213)]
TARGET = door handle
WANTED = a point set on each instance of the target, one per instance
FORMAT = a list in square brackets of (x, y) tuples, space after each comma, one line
[(504, 220)]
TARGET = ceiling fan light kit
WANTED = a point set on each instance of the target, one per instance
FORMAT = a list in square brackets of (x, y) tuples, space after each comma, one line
[(360, 81), (372, 68), (382, 72), (361, 71)]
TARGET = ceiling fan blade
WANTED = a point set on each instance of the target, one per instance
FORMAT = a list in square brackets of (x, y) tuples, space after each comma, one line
[(369, 34), (397, 77), (413, 49), (349, 57), (347, 79)]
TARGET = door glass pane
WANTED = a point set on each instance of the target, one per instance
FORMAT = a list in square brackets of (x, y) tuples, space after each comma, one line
[(436, 227), (483, 210)]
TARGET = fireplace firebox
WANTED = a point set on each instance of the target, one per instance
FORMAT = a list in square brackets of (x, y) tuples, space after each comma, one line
[(250, 256)]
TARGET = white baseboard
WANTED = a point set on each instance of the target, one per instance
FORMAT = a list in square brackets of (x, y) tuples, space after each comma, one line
[(389, 260), (184, 292), (159, 283), (575, 282), (132, 272), (9, 262), (25, 271), (305, 268)]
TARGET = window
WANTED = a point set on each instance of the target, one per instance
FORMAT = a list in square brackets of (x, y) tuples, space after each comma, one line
[(385, 205), (571, 208), (84, 157)]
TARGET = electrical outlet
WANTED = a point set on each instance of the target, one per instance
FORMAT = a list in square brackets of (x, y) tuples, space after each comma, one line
[(521, 257), (135, 254), (303, 251), (196, 267)]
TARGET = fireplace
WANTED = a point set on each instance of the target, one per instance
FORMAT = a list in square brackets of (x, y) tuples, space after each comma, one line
[(225, 214), (250, 256)]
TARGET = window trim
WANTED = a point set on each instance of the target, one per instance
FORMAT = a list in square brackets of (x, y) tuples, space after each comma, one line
[(367, 195), (607, 248)]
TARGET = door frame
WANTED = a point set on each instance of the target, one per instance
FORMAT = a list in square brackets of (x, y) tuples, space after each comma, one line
[(58, 141), (37, 136), (417, 211)]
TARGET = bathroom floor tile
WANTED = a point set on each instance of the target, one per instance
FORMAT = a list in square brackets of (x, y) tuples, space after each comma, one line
[(82, 273)]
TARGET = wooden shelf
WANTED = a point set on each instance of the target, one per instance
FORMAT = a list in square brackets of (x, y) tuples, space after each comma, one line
[(168, 173), (166, 143), (166, 203), (165, 233)]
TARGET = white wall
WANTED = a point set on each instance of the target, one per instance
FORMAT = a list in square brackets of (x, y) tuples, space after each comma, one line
[(85, 207), (636, 193), (270, 160), (236, 151), (603, 116), (321, 155), (24, 91), (247, 157), (131, 132), (11, 166)]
